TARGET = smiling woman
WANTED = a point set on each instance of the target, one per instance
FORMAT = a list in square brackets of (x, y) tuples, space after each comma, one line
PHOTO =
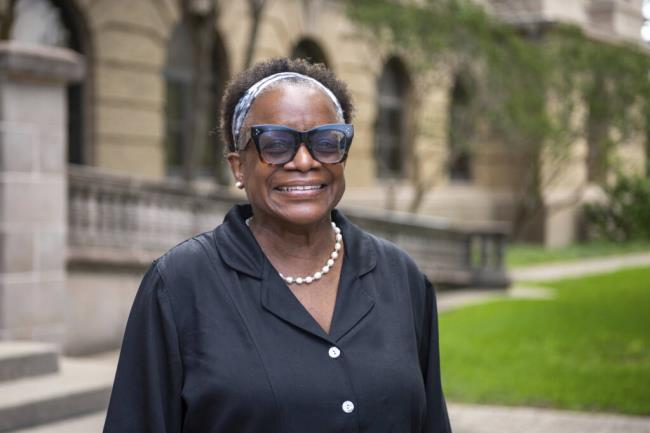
[(286, 317)]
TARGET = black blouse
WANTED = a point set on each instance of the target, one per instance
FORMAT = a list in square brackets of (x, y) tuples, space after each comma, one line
[(217, 343)]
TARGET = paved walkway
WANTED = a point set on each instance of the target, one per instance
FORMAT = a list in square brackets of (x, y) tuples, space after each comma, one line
[(580, 268), (522, 288), (499, 419)]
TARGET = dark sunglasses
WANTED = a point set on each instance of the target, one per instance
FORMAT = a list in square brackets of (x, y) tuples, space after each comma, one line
[(277, 144)]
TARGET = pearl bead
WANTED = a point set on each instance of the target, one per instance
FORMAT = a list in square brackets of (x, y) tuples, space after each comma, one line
[(325, 269)]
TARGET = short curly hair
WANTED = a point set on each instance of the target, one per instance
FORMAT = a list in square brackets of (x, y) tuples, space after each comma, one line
[(239, 84)]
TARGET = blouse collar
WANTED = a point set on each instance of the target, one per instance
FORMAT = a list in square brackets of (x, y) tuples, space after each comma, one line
[(239, 249)]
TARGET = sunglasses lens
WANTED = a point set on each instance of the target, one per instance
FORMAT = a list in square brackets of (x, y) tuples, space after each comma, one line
[(328, 146), (276, 147)]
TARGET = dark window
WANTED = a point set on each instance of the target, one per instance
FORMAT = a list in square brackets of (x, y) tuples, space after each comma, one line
[(462, 128), (179, 106), (309, 50), (391, 135)]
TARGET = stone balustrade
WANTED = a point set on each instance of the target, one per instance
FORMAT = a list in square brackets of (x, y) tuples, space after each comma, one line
[(122, 220), (450, 254)]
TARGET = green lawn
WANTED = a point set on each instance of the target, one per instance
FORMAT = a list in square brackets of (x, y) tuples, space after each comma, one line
[(525, 255), (587, 349)]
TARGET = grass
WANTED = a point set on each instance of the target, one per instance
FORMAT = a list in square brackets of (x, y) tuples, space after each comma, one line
[(526, 255), (586, 349)]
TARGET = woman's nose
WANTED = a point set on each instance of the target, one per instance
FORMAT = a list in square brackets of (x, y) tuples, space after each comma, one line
[(303, 160)]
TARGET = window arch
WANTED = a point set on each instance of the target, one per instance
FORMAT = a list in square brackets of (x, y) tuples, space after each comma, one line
[(308, 49), (59, 23), (462, 128), (180, 107), (392, 149)]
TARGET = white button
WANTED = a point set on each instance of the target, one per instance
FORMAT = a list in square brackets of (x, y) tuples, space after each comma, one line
[(347, 406), (334, 352)]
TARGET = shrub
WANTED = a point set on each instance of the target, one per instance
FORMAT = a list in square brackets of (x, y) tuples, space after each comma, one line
[(625, 214)]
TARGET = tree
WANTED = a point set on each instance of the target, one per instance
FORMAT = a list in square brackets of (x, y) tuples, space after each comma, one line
[(200, 16), (535, 79), (256, 7)]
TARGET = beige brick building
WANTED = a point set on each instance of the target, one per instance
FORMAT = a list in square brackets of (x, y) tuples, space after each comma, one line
[(130, 114)]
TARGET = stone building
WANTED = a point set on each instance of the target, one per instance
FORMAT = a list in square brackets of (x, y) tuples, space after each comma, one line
[(131, 112), (112, 83), (97, 114)]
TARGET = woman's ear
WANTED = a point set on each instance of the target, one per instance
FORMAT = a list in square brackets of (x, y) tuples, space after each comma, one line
[(235, 164)]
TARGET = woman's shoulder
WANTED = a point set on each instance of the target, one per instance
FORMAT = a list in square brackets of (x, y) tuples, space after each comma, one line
[(183, 263), (185, 253)]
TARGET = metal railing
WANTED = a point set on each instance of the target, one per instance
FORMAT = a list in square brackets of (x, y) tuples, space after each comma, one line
[(122, 220)]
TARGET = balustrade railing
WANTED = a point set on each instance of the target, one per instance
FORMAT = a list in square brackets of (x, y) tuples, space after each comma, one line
[(450, 254), (122, 220)]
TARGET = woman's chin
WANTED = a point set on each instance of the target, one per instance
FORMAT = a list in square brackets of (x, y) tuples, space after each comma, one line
[(305, 214)]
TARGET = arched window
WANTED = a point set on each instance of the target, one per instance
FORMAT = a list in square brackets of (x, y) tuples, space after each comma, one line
[(180, 107), (392, 149), (308, 49), (462, 128), (59, 23)]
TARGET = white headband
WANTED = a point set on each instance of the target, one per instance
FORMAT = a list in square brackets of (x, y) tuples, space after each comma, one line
[(244, 105)]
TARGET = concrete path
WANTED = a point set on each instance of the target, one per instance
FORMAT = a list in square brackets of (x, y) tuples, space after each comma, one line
[(579, 268), (521, 288), (498, 419), (452, 299)]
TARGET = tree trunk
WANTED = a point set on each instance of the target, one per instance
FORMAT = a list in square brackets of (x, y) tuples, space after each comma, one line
[(7, 20), (202, 32), (256, 9)]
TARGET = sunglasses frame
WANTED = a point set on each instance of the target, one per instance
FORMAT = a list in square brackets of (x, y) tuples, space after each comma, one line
[(302, 137)]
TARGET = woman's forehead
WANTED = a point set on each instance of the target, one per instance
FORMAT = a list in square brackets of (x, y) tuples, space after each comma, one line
[(289, 102)]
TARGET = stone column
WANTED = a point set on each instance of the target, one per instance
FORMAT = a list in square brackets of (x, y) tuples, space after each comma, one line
[(33, 188)]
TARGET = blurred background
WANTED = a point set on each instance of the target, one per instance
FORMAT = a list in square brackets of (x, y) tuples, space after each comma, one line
[(505, 144)]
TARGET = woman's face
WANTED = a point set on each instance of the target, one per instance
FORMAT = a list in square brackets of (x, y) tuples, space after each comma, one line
[(273, 190)]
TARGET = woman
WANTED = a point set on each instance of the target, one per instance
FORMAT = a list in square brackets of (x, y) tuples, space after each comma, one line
[(286, 317)]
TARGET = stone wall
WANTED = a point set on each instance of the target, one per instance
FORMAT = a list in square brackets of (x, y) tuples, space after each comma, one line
[(33, 189)]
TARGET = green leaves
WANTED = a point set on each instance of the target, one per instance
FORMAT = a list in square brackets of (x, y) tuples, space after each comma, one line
[(521, 66)]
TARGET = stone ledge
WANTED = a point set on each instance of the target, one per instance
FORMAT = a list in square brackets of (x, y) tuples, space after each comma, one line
[(32, 61)]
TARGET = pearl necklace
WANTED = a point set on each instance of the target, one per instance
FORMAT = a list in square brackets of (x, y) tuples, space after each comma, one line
[(325, 269)]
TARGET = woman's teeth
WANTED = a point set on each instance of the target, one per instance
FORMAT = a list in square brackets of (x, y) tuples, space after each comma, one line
[(299, 188)]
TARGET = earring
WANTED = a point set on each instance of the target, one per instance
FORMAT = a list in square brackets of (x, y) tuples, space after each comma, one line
[(239, 184)]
